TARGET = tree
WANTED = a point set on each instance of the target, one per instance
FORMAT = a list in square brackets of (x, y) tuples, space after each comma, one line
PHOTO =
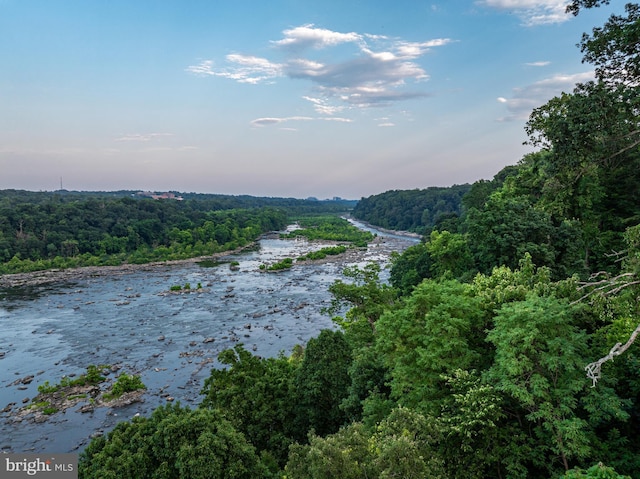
[(613, 48), (367, 296), (599, 471), (257, 396), (322, 382), (450, 254), (439, 329), (538, 363), (174, 442), (410, 268), (402, 445)]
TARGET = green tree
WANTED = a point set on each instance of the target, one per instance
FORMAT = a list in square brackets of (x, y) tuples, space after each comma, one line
[(439, 329), (402, 445), (322, 383), (538, 363), (366, 296), (256, 395), (450, 255), (410, 268), (174, 442)]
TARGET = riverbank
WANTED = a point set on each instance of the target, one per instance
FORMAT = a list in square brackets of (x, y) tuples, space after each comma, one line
[(36, 278)]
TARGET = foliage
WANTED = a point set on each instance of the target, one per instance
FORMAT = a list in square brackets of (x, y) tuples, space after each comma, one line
[(93, 376), (331, 228), (174, 442), (402, 445), (366, 296), (285, 263), (65, 232), (324, 252), (124, 384), (599, 471), (539, 360), (322, 383), (411, 210), (438, 330), (257, 397)]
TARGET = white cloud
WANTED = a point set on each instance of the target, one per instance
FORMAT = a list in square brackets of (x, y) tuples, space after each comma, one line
[(143, 136), (269, 121), (376, 71), (533, 12), (307, 36), (525, 99), (538, 64), (243, 69)]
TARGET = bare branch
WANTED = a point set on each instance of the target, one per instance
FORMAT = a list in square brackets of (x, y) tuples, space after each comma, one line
[(606, 286), (593, 369)]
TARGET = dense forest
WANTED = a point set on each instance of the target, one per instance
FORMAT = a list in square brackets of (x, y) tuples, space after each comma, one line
[(488, 354), (40, 230), (412, 210)]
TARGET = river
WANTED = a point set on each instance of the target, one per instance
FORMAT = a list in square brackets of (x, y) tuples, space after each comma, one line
[(133, 322)]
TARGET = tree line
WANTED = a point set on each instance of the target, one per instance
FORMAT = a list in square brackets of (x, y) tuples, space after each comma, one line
[(416, 210), (67, 229)]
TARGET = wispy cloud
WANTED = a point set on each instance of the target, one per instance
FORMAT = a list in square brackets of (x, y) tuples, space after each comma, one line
[(242, 68), (271, 121), (525, 99), (356, 70), (144, 137), (538, 64), (532, 12)]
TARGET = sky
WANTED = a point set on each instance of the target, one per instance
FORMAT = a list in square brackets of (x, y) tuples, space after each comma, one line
[(283, 98)]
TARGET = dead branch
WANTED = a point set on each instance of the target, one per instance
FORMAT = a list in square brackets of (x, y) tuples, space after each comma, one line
[(606, 286), (593, 369)]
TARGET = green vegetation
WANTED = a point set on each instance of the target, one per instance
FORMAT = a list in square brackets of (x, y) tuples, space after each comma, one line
[(281, 265), (331, 228), (412, 210), (70, 229), (93, 376), (124, 384), (324, 252)]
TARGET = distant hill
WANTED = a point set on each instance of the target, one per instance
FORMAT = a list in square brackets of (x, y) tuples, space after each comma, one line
[(411, 210)]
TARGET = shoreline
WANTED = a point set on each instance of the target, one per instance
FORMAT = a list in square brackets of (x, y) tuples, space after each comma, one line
[(37, 278)]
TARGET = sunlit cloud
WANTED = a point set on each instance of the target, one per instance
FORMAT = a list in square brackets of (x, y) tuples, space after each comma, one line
[(527, 98), (374, 70), (308, 36), (532, 12)]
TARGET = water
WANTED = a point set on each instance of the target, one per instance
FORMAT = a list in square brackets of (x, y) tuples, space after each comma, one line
[(170, 339)]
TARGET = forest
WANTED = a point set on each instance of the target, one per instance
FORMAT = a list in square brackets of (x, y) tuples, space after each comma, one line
[(488, 354), (40, 230), (418, 211)]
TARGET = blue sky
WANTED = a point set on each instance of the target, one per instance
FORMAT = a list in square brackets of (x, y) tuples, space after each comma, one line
[(280, 98)]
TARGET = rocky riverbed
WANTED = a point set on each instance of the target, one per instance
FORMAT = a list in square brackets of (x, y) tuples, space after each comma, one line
[(58, 323)]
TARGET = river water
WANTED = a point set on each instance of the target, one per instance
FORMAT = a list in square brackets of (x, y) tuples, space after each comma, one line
[(133, 322)]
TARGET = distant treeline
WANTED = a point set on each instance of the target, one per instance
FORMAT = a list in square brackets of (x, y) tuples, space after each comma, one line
[(411, 210), (68, 229)]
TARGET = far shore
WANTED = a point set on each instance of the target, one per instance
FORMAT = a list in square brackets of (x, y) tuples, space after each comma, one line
[(35, 278)]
